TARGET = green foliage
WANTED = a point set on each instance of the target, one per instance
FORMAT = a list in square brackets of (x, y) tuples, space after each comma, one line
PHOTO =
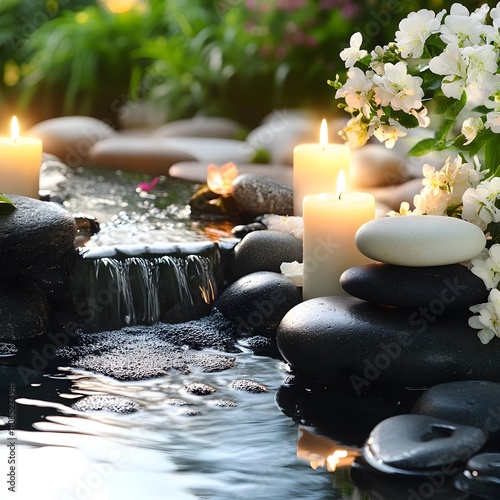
[(6, 204), (238, 59)]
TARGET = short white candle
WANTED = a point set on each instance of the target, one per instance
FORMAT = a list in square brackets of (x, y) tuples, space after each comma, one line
[(20, 162), (330, 223), (316, 167)]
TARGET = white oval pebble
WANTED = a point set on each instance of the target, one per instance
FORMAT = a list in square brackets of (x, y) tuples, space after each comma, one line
[(420, 240)]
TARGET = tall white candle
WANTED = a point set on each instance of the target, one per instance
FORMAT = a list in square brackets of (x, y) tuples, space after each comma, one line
[(316, 167), (20, 162), (330, 223)]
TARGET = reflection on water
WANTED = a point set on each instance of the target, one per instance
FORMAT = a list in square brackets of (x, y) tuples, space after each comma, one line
[(248, 451), (320, 451)]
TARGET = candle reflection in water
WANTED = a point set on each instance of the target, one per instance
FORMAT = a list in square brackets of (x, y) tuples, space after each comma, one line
[(320, 451)]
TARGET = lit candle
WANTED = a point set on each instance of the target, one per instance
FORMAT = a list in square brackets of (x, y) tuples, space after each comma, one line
[(330, 223), (316, 166), (20, 161)]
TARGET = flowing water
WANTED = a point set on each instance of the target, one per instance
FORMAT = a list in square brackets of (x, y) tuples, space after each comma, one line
[(166, 443)]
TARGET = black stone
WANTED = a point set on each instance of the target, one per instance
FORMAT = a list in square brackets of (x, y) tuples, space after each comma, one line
[(346, 340), (242, 230), (404, 487), (55, 281), (420, 443), (264, 251), (444, 287), (257, 302), (258, 195), (470, 402), (24, 311), (481, 476), (34, 237)]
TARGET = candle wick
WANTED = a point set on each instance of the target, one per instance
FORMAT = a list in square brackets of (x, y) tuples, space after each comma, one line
[(340, 195)]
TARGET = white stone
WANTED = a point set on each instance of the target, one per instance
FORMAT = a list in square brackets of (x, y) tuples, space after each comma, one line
[(201, 126), (71, 138), (420, 240)]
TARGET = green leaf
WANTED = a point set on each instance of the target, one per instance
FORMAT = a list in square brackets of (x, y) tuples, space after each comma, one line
[(448, 106), (492, 156), (408, 121), (482, 137), (424, 147), (6, 205)]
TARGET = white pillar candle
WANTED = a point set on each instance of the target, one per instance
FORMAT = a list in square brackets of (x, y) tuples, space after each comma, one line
[(330, 223), (316, 167), (20, 162)]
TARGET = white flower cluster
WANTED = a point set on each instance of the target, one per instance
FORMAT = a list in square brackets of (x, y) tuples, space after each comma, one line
[(452, 191), (457, 190), (456, 54)]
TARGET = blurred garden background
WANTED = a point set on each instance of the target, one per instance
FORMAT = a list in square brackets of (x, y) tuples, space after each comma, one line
[(150, 61)]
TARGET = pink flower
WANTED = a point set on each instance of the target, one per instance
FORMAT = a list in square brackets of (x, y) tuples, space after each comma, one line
[(148, 186)]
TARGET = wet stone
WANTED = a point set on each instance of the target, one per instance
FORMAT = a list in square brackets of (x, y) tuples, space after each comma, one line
[(34, 237), (243, 229), (71, 137), (257, 302), (199, 389), (24, 311), (420, 443), (261, 195), (481, 476), (469, 402), (8, 349), (248, 386), (175, 402), (144, 352), (256, 342), (209, 363), (265, 251), (189, 412), (223, 403), (444, 287), (332, 340), (104, 402)]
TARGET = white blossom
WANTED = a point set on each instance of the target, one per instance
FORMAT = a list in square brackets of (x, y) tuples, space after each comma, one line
[(470, 128), (452, 65), (397, 88), (479, 203), (404, 209), (357, 91), (389, 133), (487, 266), (414, 31), (488, 321), (355, 132), (462, 28), (284, 224), (294, 271), (354, 53)]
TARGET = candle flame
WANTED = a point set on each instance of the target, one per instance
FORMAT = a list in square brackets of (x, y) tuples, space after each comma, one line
[(323, 134), (340, 183), (14, 129)]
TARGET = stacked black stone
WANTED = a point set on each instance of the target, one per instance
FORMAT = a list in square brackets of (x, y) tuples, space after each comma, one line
[(36, 257), (435, 289)]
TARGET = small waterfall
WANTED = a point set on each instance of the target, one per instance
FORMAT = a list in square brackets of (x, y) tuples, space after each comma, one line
[(111, 290)]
